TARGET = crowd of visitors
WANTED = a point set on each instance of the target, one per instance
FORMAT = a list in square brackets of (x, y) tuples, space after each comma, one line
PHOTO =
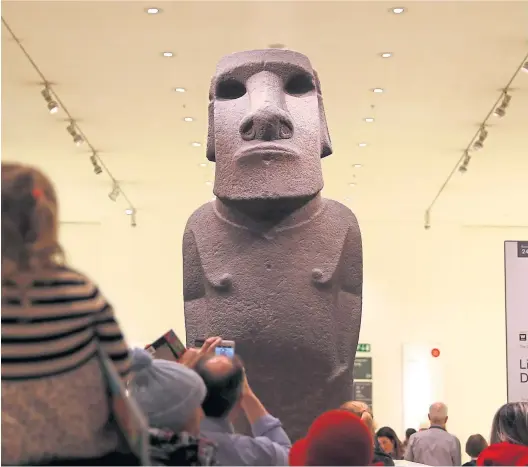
[(58, 331)]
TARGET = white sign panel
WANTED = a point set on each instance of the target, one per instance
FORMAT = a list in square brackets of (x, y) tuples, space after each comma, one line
[(516, 271), (423, 382)]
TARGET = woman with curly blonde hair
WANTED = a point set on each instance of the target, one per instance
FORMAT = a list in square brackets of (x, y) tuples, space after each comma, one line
[(363, 411), (54, 322)]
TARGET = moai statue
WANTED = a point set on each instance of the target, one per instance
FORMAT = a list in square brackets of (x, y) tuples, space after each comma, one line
[(270, 264)]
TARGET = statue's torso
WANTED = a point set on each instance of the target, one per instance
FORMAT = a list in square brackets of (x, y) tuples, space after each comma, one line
[(280, 297)]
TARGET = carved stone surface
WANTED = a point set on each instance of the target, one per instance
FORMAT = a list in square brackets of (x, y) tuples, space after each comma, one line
[(271, 264)]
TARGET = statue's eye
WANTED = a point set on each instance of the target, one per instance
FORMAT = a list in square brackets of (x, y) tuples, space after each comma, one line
[(300, 84), (230, 89)]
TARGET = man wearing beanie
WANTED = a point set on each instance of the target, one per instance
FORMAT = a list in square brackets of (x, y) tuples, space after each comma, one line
[(171, 395), (227, 391)]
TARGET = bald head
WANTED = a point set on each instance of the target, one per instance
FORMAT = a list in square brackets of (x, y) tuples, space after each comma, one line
[(438, 414), (223, 378), (218, 365)]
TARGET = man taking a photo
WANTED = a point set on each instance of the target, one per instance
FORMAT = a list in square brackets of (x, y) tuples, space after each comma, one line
[(228, 391)]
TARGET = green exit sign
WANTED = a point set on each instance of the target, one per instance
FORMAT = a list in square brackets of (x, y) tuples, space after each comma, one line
[(363, 348)]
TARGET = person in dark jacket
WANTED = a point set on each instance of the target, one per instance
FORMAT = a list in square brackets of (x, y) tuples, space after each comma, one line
[(169, 448), (474, 446)]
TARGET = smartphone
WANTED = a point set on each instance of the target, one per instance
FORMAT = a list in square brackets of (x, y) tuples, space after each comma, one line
[(167, 347), (226, 348)]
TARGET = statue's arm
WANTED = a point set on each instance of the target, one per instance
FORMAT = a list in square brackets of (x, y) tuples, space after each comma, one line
[(352, 261), (350, 295), (193, 276), (193, 290)]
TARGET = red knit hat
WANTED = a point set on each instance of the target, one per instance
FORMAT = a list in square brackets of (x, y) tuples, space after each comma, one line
[(504, 454), (336, 438)]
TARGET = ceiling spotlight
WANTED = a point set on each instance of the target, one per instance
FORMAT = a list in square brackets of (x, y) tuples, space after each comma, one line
[(208, 182), (464, 166), (77, 138), (525, 67), (115, 192), (427, 220), (168, 54), (153, 11), (179, 89), (352, 184), (196, 144), (378, 90), (386, 55), (188, 119), (362, 145), (203, 164), (358, 166), (369, 120), (398, 10), (500, 111), (479, 144), (53, 107), (132, 213), (95, 163)]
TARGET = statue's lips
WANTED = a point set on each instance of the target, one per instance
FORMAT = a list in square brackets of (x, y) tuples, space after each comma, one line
[(265, 152)]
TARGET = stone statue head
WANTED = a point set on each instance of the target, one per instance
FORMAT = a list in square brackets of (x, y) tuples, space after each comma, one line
[(267, 126)]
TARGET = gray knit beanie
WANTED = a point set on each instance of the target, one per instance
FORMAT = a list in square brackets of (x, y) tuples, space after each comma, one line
[(167, 392)]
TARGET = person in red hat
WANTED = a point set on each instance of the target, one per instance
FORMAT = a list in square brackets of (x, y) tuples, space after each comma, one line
[(509, 437), (336, 437), (504, 454)]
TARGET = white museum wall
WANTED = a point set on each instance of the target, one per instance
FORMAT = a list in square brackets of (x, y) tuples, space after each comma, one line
[(445, 285)]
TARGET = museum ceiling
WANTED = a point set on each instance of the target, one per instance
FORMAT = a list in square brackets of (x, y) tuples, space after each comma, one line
[(106, 62)]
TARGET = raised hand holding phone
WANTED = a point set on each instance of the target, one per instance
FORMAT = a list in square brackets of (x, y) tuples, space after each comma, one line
[(192, 356)]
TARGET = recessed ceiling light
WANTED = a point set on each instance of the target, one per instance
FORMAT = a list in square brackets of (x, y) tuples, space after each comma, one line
[(203, 164), (352, 184), (378, 90), (153, 11), (362, 145), (179, 89), (369, 120), (358, 166), (398, 10), (168, 54), (129, 212), (196, 144), (188, 119), (208, 182), (386, 54)]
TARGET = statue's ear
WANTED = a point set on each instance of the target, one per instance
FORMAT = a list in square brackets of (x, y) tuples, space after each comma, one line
[(210, 152), (326, 144)]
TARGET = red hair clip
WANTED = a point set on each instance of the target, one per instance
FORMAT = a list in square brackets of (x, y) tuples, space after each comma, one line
[(36, 193)]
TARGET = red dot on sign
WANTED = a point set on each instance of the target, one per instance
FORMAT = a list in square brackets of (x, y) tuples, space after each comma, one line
[(435, 353)]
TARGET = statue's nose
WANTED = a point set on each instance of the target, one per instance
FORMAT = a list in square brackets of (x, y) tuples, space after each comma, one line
[(267, 123)]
